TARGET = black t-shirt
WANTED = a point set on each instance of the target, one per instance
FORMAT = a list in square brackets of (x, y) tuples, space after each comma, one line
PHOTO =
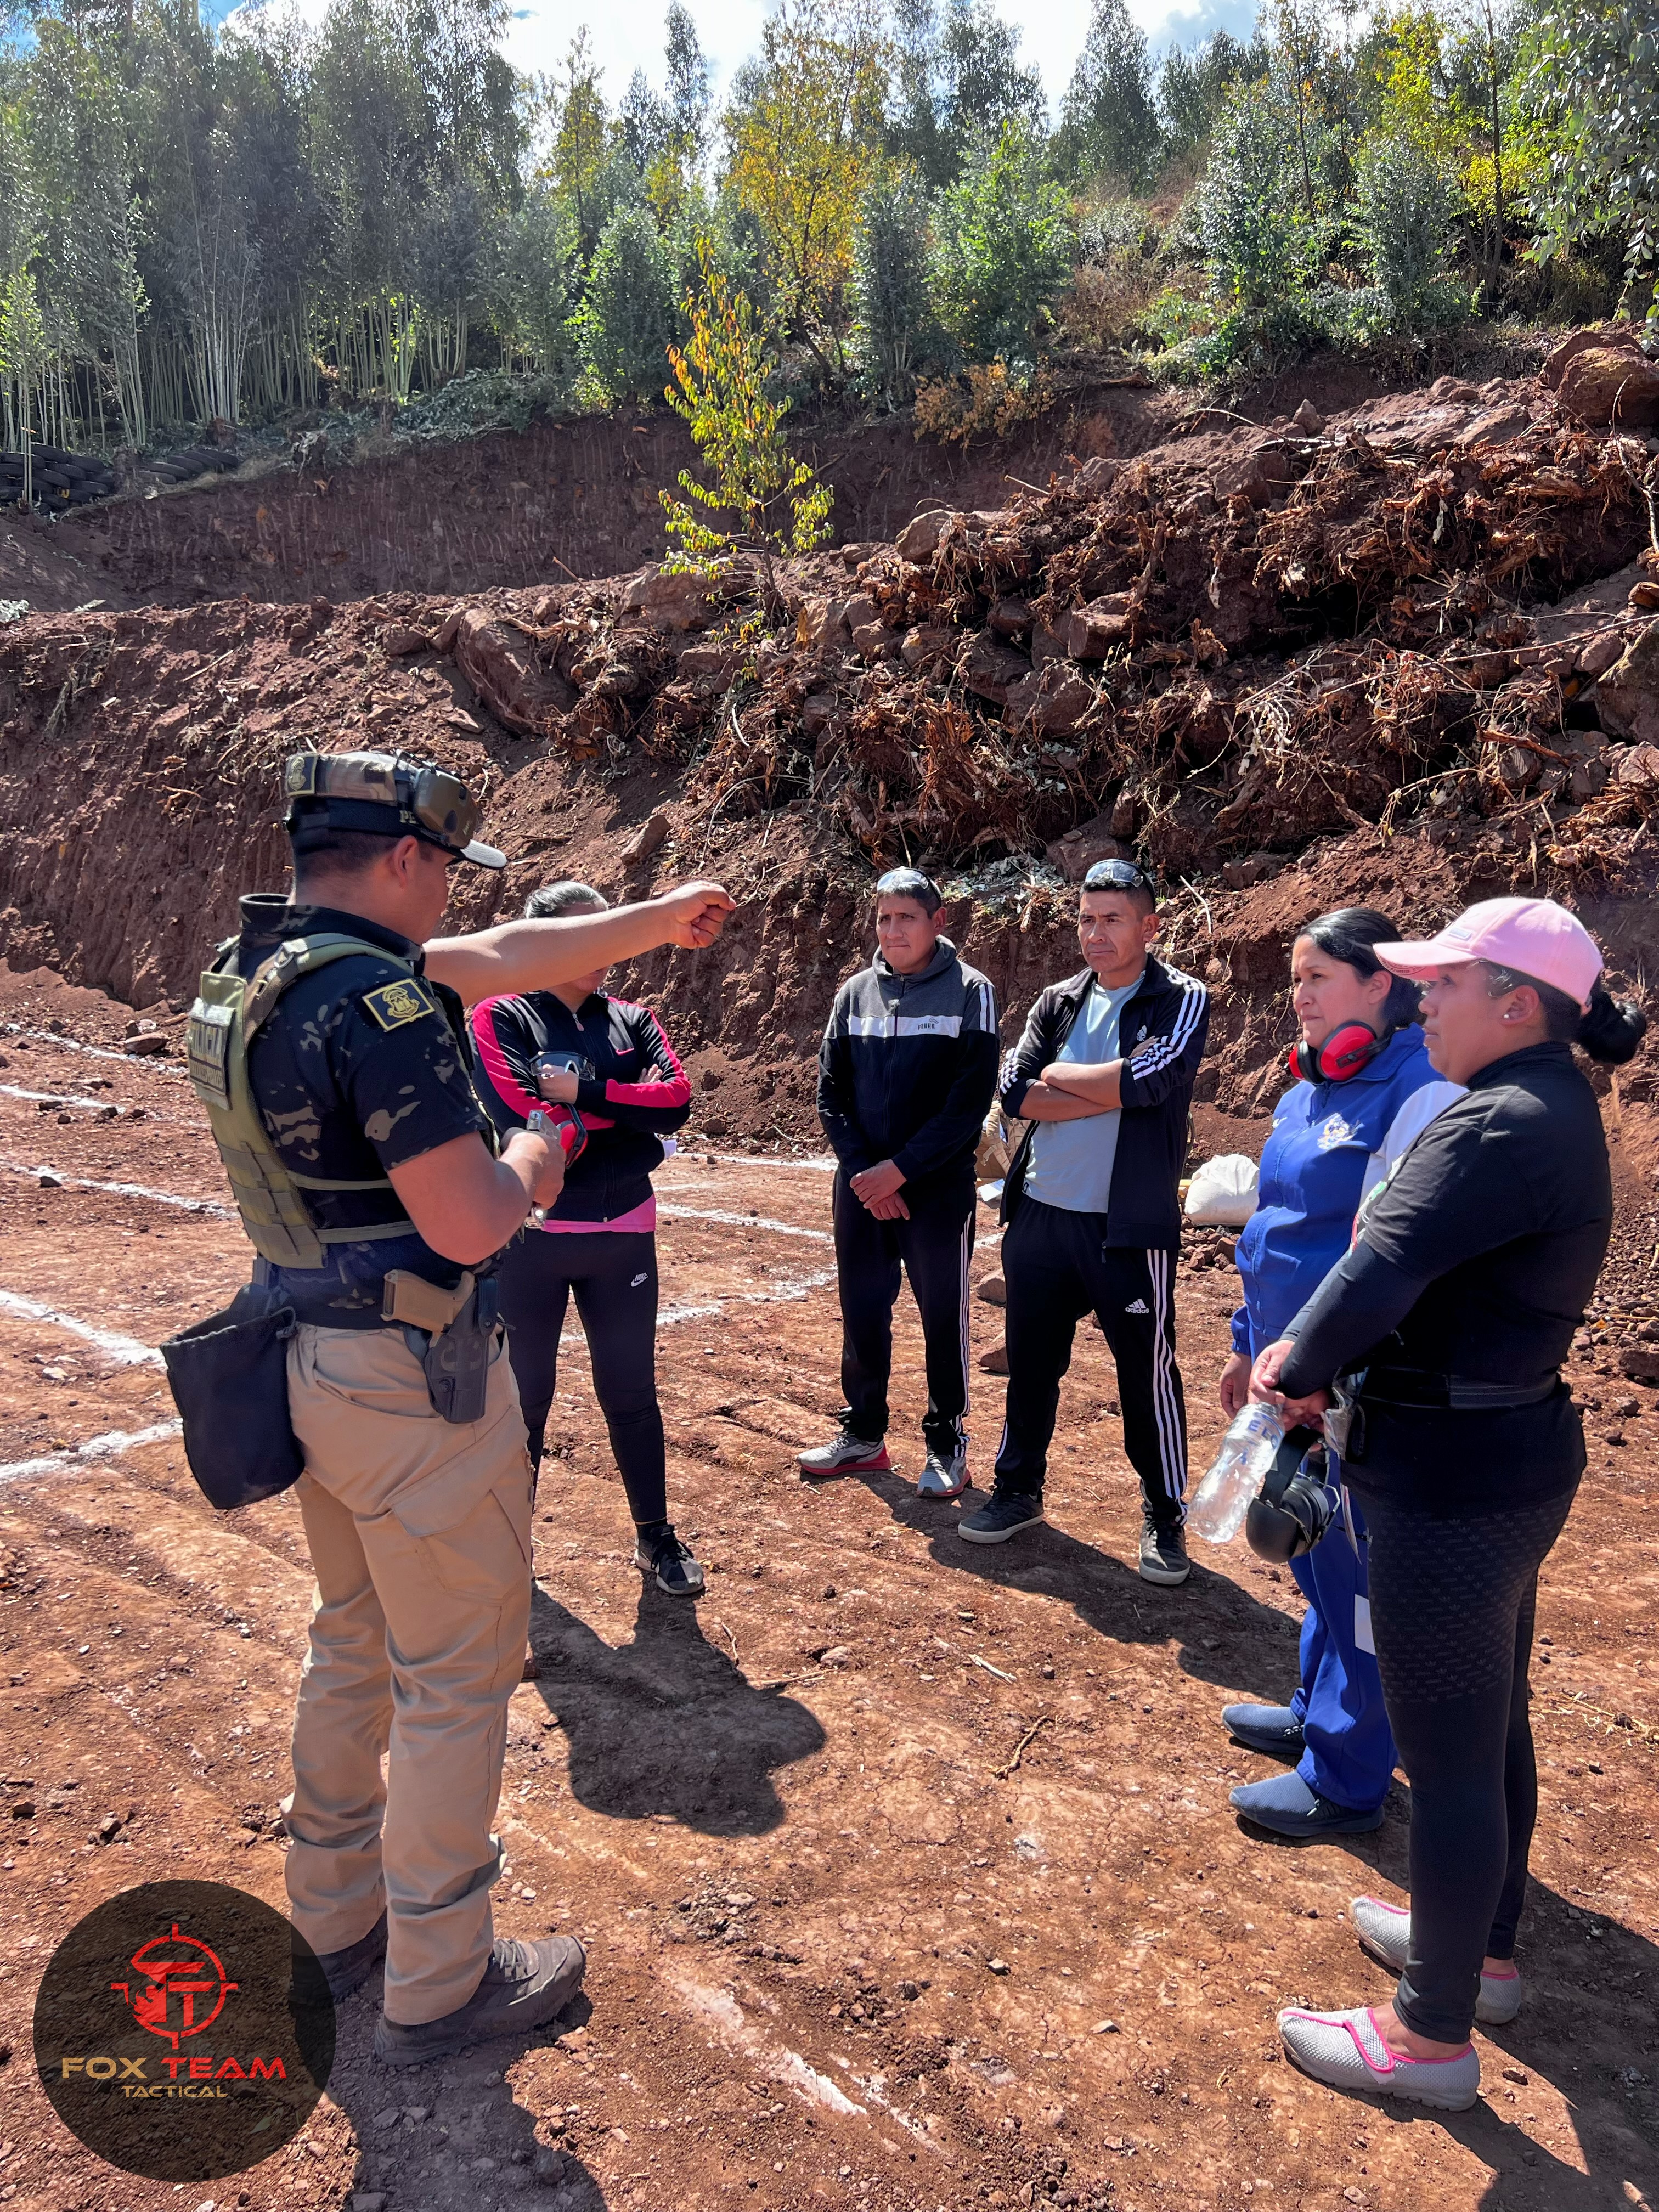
[(358, 1068), (1476, 1261)]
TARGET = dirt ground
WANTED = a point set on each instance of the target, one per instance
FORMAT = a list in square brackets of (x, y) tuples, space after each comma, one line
[(906, 1870)]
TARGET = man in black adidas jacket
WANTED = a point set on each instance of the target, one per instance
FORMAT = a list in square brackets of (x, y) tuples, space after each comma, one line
[(1102, 1079), (906, 1074)]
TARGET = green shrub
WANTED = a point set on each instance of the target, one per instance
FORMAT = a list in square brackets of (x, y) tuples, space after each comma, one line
[(1002, 250), (1403, 212), (895, 331), (1262, 240), (626, 318)]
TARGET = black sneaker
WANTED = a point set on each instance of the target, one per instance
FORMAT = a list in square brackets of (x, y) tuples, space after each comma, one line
[(660, 1552), (524, 1986), (1004, 1513), (1163, 1552), (348, 1970)]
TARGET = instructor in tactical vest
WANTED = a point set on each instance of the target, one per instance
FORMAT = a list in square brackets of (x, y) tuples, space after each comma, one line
[(329, 1047)]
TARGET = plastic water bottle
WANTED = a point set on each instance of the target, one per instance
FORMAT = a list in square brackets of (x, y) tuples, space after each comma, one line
[(1247, 1452)]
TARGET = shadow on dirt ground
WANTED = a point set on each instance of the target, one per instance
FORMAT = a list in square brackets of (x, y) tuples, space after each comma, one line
[(420, 2131), (627, 1712)]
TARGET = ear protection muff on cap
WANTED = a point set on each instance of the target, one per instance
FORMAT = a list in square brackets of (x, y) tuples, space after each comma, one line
[(1350, 1047)]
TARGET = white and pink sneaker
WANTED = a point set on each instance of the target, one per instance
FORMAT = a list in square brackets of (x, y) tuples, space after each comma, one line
[(1385, 1931), (1347, 2051)]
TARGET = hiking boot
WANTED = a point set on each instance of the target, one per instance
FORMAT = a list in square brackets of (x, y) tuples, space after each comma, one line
[(658, 1551), (1274, 1729), (945, 1476), (1346, 2050), (1004, 1513), (847, 1454), (525, 1986), (1385, 1931), (348, 1970), (1163, 1552)]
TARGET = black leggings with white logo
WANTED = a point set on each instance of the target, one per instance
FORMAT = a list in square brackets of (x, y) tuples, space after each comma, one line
[(614, 1277)]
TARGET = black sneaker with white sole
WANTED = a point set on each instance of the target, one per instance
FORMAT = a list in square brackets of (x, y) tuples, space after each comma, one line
[(658, 1552), (1003, 1515), (1163, 1552), (525, 1986)]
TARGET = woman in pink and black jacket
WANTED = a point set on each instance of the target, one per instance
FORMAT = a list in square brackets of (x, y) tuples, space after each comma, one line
[(604, 1065)]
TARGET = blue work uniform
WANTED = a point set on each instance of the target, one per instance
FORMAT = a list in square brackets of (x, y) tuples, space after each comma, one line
[(1313, 1166)]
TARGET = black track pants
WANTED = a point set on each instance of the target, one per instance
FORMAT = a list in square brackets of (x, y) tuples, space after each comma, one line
[(614, 1276), (1452, 1610), (933, 1246), (1059, 1266)]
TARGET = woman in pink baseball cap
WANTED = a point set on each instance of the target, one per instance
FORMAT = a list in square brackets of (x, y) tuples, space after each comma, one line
[(1441, 1336)]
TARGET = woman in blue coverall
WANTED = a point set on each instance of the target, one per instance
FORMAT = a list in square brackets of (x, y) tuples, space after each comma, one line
[(1361, 1057)]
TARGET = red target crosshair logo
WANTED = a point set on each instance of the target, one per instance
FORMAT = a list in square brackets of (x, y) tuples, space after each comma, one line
[(181, 1989)]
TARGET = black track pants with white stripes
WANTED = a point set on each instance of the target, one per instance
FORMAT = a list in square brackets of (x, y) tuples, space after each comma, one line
[(933, 1246), (1059, 1266)]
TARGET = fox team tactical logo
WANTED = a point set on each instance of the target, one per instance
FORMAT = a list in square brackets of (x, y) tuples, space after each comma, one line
[(179, 1987), (183, 2030)]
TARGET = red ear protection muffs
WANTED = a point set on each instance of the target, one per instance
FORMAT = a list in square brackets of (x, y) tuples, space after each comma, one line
[(1350, 1047)]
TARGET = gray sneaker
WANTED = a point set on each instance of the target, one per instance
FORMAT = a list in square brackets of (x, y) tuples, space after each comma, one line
[(525, 1986), (845, 1454), (945, 1476), (1385, 1931), (1346, 2051)]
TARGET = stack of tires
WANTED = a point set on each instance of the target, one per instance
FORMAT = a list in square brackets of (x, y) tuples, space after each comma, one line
[(194, 461), (59, 479)]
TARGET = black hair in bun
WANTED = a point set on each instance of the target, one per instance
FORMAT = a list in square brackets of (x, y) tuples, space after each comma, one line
[(1610, 1029)]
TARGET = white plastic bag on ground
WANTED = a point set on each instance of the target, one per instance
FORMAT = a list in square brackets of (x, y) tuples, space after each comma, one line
[(1224, 1191)]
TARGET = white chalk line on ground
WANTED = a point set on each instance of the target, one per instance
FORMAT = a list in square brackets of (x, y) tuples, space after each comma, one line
[(122, 1189), (92, 1051), (111, 1445), (745, 1221), (126, 1350), (715, 2009), (64, 1098)]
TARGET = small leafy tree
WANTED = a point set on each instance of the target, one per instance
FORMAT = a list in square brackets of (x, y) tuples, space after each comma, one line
[(1108, 125), (1259, 240), (1002, 250), (719, 390), (1403, 212), (894, 325), (627, 316), (1595, 81)]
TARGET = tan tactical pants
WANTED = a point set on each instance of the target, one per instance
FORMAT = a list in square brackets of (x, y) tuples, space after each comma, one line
[(419, 1531)]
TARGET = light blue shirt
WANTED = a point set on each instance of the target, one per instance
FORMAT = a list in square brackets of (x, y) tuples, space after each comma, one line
[(1071, 1164)]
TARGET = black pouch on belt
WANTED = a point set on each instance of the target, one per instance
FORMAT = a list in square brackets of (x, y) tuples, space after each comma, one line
[(456, 1359), (229, 1376)]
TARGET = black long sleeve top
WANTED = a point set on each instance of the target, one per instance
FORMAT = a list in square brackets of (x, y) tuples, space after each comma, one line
[(1475, 1262)]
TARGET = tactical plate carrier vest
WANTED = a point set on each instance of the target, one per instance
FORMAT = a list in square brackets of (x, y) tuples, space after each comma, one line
[(269, 1195)]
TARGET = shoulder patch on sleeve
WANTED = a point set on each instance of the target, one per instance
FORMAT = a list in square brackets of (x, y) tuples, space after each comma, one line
[(395, 1003)]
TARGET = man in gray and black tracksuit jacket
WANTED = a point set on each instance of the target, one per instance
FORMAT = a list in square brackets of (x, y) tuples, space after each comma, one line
[(1102, 1079), (906, 1074)]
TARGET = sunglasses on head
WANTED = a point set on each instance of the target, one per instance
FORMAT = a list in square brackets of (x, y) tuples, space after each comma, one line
[(1118, 876)]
